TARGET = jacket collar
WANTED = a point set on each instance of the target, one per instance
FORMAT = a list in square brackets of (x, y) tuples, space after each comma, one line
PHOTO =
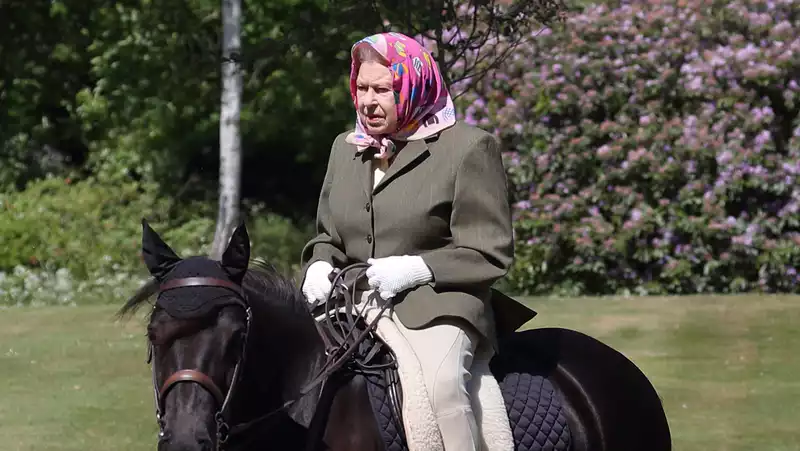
[(404, 161)]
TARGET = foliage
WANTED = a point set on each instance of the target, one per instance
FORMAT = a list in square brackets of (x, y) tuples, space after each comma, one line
[(654, 148), (110, 112), (63, 241), (277, 240), (161, 120), (130, 90), (44, 64), (82, 226), (468, 38)]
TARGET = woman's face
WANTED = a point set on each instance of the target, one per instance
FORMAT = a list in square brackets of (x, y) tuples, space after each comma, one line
[(375, 97)]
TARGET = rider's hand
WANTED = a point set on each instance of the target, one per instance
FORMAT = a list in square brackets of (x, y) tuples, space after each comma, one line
[(317, 285), (392, 275)]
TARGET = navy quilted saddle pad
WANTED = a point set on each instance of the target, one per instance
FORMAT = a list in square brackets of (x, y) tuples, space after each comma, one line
[(538, 420)]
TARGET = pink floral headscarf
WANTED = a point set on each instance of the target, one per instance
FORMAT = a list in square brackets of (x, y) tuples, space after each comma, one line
[(424, 105)]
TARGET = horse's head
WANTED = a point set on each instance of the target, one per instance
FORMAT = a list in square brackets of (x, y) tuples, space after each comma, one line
[(198, 333)]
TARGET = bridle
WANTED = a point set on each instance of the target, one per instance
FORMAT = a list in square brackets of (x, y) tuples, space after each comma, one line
[(198, 377), (340, 346)]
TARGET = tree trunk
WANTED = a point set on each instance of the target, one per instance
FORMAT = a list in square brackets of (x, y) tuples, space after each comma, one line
[(230, 148)]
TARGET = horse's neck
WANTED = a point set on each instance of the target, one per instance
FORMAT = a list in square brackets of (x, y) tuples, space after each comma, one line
[(255, 392), (305, 357), (281, 433), (282, 358), (286, 355)]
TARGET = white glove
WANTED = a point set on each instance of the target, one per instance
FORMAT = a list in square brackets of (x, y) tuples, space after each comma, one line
[(392, 275), (317, 286)]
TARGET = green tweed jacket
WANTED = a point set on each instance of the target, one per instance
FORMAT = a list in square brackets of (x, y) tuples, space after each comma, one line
[(444, 199)]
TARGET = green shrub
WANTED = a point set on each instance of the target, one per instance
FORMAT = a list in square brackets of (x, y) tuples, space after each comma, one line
[(276, 239), (63, 242), (82, 226)]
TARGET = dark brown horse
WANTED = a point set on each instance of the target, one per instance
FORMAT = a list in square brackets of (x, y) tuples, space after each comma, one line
[(240, 364)]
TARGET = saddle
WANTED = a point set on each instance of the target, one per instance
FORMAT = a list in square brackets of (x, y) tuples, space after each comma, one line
[(520, 412)]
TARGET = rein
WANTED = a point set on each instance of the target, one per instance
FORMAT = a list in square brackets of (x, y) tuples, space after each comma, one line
[(338, 353)]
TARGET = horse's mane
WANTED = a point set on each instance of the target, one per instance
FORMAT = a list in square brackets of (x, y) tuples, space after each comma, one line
[(262, 284), (142, 295)]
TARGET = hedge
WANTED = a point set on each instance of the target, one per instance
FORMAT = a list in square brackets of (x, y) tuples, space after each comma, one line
[(653, 148), (77, 242)]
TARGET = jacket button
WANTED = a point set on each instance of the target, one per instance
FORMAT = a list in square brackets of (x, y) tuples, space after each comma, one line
[(367, 207), (369, 239)]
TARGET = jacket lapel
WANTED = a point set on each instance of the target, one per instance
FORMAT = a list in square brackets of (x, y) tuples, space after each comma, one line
[(413, 152), (364, 171)]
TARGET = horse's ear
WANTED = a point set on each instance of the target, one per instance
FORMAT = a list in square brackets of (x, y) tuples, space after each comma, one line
[(237, 254), (158, 256)]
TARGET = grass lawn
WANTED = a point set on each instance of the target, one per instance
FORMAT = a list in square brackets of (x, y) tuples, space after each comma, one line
[(74, 379)]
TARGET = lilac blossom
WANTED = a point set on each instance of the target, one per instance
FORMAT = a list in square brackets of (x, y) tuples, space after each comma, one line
[(632, 129)]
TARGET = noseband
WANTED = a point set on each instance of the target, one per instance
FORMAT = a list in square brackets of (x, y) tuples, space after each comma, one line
[(198, 377)]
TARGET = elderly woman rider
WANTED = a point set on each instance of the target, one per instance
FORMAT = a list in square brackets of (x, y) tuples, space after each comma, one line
[(422, 198)]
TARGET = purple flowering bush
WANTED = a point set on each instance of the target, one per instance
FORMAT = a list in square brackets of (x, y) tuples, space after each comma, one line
[(653, 148)]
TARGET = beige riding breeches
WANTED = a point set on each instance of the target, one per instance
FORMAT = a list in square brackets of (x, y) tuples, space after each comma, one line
[(445, 350)]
